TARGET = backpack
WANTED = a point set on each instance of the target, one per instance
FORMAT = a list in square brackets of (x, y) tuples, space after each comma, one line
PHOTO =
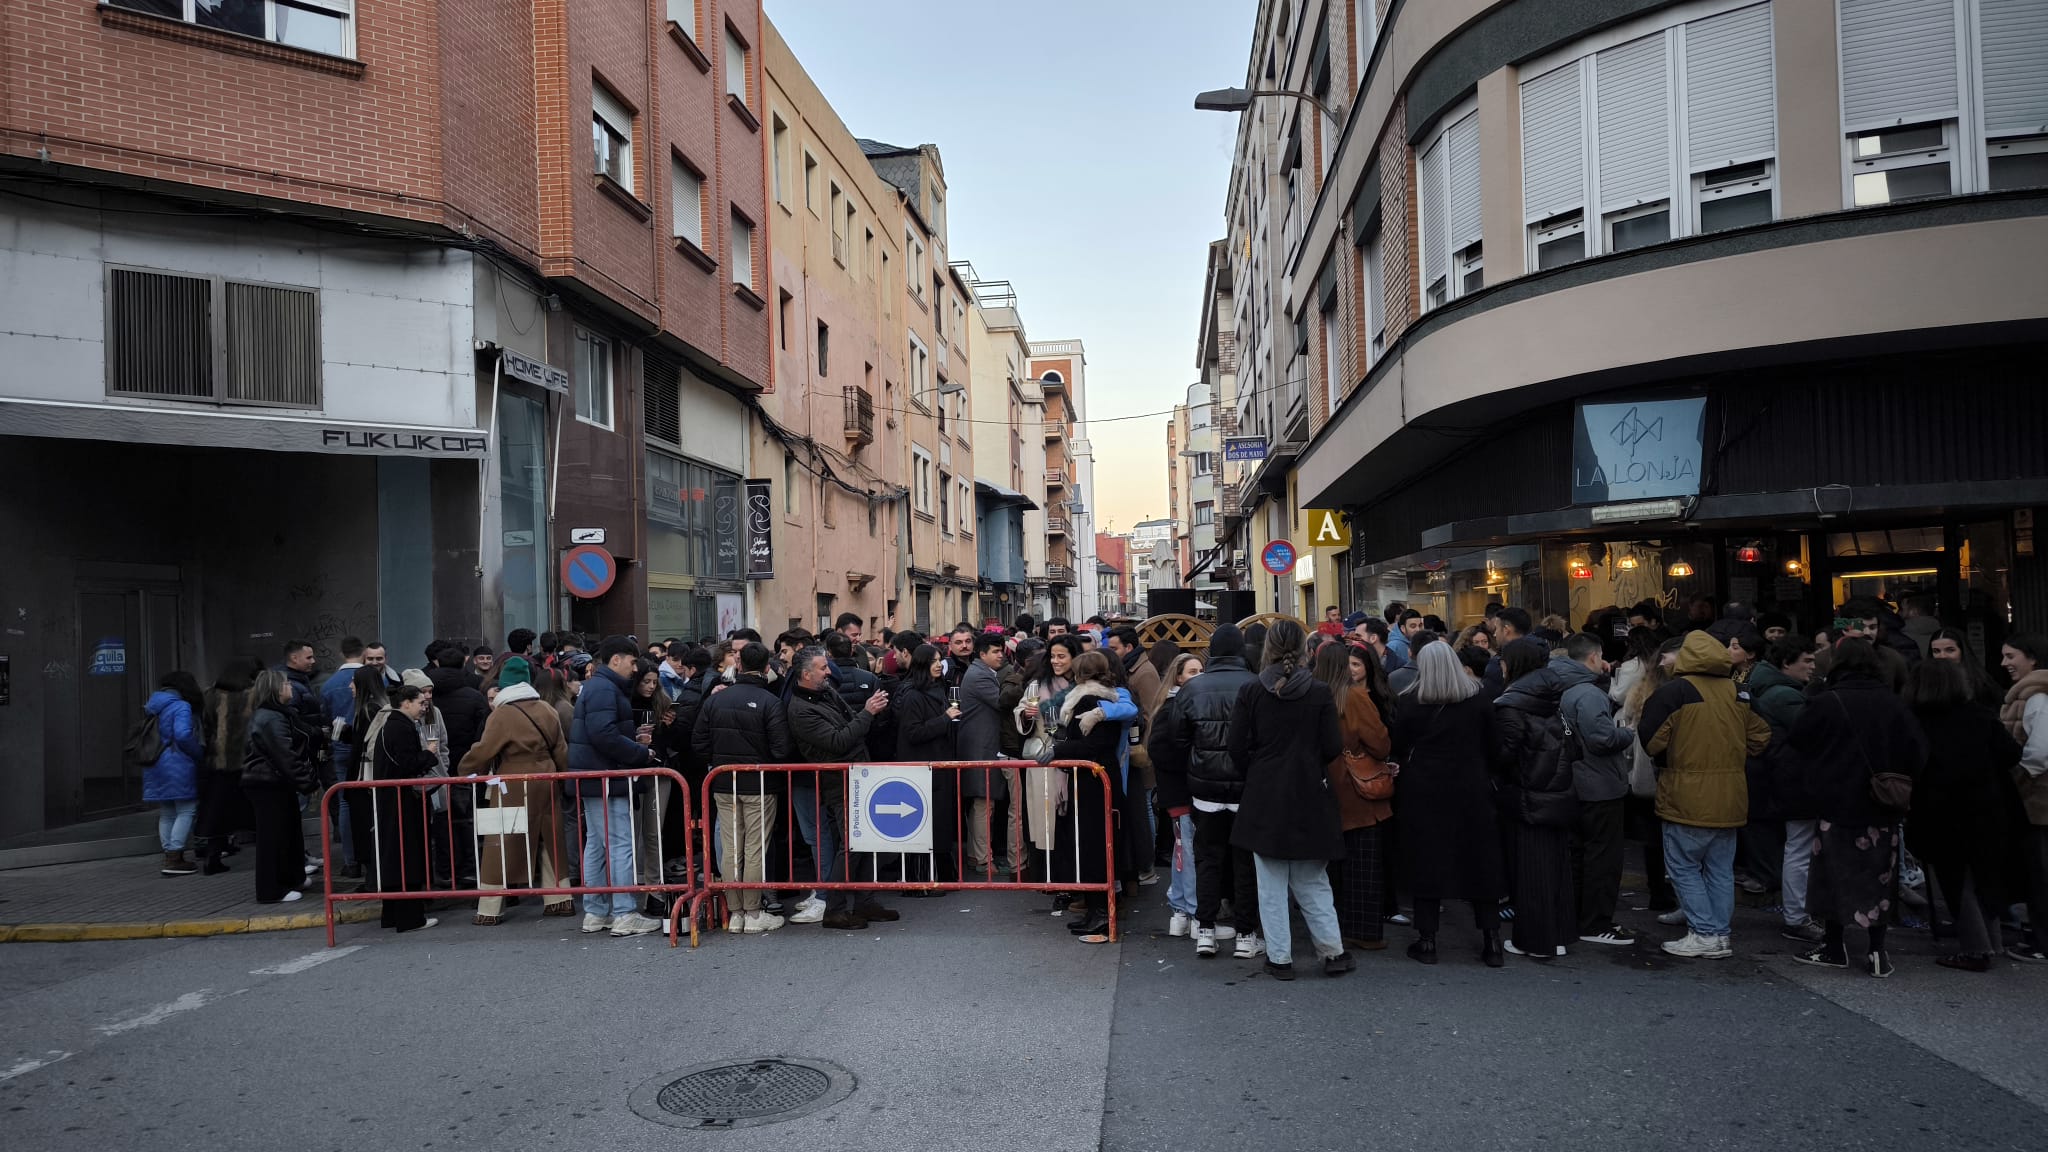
[(145, 745)]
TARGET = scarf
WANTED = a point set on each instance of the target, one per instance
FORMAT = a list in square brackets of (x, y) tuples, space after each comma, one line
[(516, 693), (368, 754)]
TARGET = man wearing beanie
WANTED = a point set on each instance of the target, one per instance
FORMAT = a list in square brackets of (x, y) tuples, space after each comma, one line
[(1200, 738)]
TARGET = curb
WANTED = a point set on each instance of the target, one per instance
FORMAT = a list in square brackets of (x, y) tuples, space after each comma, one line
[(352, 912)]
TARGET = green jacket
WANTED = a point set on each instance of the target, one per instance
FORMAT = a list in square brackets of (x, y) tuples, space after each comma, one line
[(1701, 733), (1777, 698)]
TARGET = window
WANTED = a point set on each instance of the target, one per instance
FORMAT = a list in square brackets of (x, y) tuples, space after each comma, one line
[(686, 202), (611, 136), (824, 348), (792, 483), (836, 219), (1333, 375), (913, 263), (867, 251), (593, 379), (1894, 164), (921, 479), (1205, 463), (316, 25), (1365, 24), (1375, 302), (785, 316), (849, 238), (692, 530), (945, 503), (1205, 513), (966, 505), (778, 156), (1449, 176), (736, 72), (810, 182), (211, 338), (920, 373), (742, 250), (1650, 133)]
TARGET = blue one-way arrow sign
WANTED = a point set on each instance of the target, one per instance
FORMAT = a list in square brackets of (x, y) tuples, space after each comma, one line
[(890, 808)]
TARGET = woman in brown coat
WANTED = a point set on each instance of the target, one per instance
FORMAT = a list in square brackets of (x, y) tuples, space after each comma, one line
[(523, 735), (1357, 878)]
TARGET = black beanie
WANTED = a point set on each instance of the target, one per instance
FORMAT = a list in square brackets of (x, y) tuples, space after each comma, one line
[(1226, 641)]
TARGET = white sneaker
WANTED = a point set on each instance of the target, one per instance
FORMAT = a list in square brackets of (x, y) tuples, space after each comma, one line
[(1674, 917), (293, 895), (809, 912), (595, 923), (1250, 947), (1178, 926), (1225, 932), (1205, 942), (761, 922), (1694, 946), (736, 922), (312, 869), (431, 921), (634, 924)]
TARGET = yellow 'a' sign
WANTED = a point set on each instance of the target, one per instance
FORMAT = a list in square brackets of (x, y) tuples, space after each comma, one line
[(1326, 528)]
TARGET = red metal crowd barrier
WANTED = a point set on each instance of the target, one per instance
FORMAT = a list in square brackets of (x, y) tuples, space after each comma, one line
[(1038, 796), (410, 814)]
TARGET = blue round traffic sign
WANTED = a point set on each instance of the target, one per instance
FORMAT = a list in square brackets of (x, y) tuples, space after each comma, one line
[(588, 571), (1278, 557), (896, 810)]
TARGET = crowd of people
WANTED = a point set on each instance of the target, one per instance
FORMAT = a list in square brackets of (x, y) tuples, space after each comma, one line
[(1364, 773)]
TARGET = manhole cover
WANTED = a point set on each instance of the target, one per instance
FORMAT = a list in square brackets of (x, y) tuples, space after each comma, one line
[(763, 1091)]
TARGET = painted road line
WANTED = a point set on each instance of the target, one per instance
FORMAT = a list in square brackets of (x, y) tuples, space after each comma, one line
[(26, 1066), (190, 1001), (309, 960)]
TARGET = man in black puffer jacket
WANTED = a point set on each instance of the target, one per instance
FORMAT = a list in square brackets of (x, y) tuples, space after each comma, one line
[(744, 723), (1200, 739), (463, 709)]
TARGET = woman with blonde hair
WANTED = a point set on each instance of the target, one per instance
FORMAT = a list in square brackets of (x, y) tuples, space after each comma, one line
[(1443, 742)]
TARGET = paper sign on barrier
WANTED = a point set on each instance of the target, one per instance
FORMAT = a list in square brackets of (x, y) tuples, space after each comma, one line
[(889, 808)]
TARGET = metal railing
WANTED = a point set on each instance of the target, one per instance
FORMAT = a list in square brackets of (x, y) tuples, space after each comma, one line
[(860, 415)]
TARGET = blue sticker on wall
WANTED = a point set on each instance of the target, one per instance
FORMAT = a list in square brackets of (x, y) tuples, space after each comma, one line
[(109, 657)]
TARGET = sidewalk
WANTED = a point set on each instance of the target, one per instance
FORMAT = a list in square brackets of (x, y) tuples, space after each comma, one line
[(126, 899)]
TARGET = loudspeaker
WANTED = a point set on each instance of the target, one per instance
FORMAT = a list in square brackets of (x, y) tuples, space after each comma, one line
[(1160, 601), (1235, 605)]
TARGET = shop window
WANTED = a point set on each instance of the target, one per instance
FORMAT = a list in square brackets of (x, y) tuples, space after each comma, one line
[(211, 338)]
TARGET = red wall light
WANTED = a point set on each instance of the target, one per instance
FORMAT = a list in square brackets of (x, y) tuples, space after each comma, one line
[(1748, 554)]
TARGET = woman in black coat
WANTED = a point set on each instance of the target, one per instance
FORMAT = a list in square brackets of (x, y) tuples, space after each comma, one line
[(1444, 742), (1538, 807), (1847, 734), (927, 729), (1081, 732), (274, 776), (402, 813), (1284, 732), (1965, 808)]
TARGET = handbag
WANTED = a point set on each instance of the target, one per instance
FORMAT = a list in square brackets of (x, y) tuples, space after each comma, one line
[(1892, 791), (1370, 778)]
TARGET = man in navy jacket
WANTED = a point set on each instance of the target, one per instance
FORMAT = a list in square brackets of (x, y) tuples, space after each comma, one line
[(604, 738)]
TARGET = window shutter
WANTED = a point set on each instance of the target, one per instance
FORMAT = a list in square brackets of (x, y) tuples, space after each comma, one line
[(1433, 250), (1553, 144), (2015, 38), (273, 345), (159, 333), (1462, 142), (661, 399), (1731, 107), (1632, 87), (1898, 62)]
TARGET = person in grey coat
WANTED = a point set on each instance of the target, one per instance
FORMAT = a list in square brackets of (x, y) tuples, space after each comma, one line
[(1600, 780), (985, 790)]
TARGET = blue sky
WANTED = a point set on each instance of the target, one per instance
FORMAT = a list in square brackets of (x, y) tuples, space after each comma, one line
[(1078, 170)]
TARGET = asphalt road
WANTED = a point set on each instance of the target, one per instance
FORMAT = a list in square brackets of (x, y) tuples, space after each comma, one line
[(977, 1023)]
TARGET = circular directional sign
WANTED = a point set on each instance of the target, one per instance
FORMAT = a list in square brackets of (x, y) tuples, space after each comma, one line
[(588, 571), (896, 810), (1278, 558)]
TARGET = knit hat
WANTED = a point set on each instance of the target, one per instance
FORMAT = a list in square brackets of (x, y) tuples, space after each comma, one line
[(1226, 641), (414, 678), (514, 671)]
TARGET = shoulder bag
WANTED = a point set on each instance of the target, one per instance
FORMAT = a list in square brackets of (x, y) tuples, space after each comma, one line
[(1892, 791)]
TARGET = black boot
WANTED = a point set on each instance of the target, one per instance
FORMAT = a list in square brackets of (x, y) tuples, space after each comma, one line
[(1490, 950), (213, 865), (1423, 950)]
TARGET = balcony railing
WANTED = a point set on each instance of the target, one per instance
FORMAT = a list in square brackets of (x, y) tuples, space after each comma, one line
[(1056, 525), (1056, 478), (1060, 573), (860, 415), (1054, 429)]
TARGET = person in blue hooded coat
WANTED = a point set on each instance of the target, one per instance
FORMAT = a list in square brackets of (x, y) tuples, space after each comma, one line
[(172, 783)]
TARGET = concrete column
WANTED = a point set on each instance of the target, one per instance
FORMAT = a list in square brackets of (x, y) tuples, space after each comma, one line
[(1500, 174), (1809, 109)]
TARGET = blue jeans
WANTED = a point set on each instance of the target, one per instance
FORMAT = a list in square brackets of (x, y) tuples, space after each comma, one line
[(1309, 881), (1701, 864), (1180, 890), (341, 766), (818, 823), (174, 823), (611, 829)]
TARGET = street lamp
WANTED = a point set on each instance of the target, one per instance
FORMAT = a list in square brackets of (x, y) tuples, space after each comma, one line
[(1239, 99)]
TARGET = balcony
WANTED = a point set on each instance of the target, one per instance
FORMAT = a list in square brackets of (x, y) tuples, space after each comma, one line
[(1056, 478), (1053, 385), (860, 416), (1233, 501), (1054, 429), (1060, 573), (1056, 526)]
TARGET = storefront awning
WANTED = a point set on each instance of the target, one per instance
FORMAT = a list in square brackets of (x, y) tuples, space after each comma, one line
[(1003, 495), (257, 431)]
